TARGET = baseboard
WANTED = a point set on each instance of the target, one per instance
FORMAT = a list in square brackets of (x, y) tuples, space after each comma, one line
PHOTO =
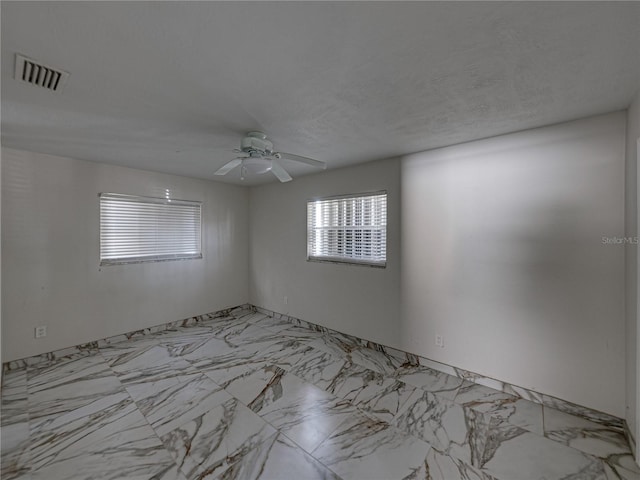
[(628, 433), (405, 357), (91, 347), (521, 392)]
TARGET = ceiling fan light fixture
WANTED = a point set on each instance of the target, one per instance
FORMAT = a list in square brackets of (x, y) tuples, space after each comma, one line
[(257, 165), (260, 158)]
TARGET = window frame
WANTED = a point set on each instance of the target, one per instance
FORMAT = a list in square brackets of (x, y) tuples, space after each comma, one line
[(345, 260), (152, 258)]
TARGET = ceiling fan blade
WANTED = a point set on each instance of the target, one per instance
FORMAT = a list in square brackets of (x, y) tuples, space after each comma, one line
[(280, 172), (298, 158), (229, 166)]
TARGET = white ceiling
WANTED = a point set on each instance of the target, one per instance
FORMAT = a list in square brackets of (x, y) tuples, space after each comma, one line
[(172, 87)]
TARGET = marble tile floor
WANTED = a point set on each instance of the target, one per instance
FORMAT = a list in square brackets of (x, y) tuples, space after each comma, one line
[(248, 396)]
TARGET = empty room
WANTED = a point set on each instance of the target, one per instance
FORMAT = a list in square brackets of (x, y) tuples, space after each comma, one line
[(320, 240)]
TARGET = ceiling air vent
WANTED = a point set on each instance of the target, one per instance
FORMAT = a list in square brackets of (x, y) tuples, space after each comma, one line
[(40, 75)]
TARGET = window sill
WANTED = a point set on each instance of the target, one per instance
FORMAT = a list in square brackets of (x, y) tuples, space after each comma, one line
[(347, 262)]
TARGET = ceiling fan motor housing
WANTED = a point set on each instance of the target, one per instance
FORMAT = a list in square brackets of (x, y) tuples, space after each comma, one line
[(256, 142), (262, 159)]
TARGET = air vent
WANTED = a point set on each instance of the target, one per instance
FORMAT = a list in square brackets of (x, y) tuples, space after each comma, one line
[(40, 75)]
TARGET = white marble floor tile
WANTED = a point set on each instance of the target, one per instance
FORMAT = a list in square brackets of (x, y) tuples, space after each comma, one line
[(209, 321), (225, 371), (371, 391), (254, 317), (595, 416), (430, 380), (270, 323), (62, 388), (278, 460), (15, 438), (584, 435), (243, 313), (276, 327), (513, 453), (250, 384), (444, 467), (596, 439), (25, 476), (154, 387), (149, 364), (261, 342), (170, 472), (134, 454), (346, 343), (302, 334), (121, 347), (448, 427), (13, 408), (503, 406), (14, 379), (183, 335), (210, 444), (168, 408), (286, 354), (621, 467), (303, 412), (248, 335), (320, 368), (15, 445), (364, 448), (63, 356), (61, 373), (229, 327), (13, 402), (178, 341), (340, 347), (375, 360), (251, 397), (106, 416), (207, 349)]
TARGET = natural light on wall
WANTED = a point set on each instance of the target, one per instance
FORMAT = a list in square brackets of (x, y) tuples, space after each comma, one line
[(348, 229), (143, 229)]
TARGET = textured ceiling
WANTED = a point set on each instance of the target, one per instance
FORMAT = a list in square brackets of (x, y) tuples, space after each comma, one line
[(172, 87)]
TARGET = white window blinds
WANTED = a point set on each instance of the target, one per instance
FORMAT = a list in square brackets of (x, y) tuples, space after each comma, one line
[(142, 229), (350, 229)]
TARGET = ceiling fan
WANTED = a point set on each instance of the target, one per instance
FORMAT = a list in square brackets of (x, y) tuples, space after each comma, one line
[(260, 158)]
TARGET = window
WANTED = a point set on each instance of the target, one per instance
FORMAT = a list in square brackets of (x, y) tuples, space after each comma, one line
[(142, 229), (350, 229)]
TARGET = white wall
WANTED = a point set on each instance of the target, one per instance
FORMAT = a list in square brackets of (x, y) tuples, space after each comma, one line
[(0, 266), (502, 254), (499, 242), (359, 300), (50, 252), (632, 271)]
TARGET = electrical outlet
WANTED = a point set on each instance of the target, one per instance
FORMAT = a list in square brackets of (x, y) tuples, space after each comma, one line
[(41, 331), (286, 301), (439, 341)]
